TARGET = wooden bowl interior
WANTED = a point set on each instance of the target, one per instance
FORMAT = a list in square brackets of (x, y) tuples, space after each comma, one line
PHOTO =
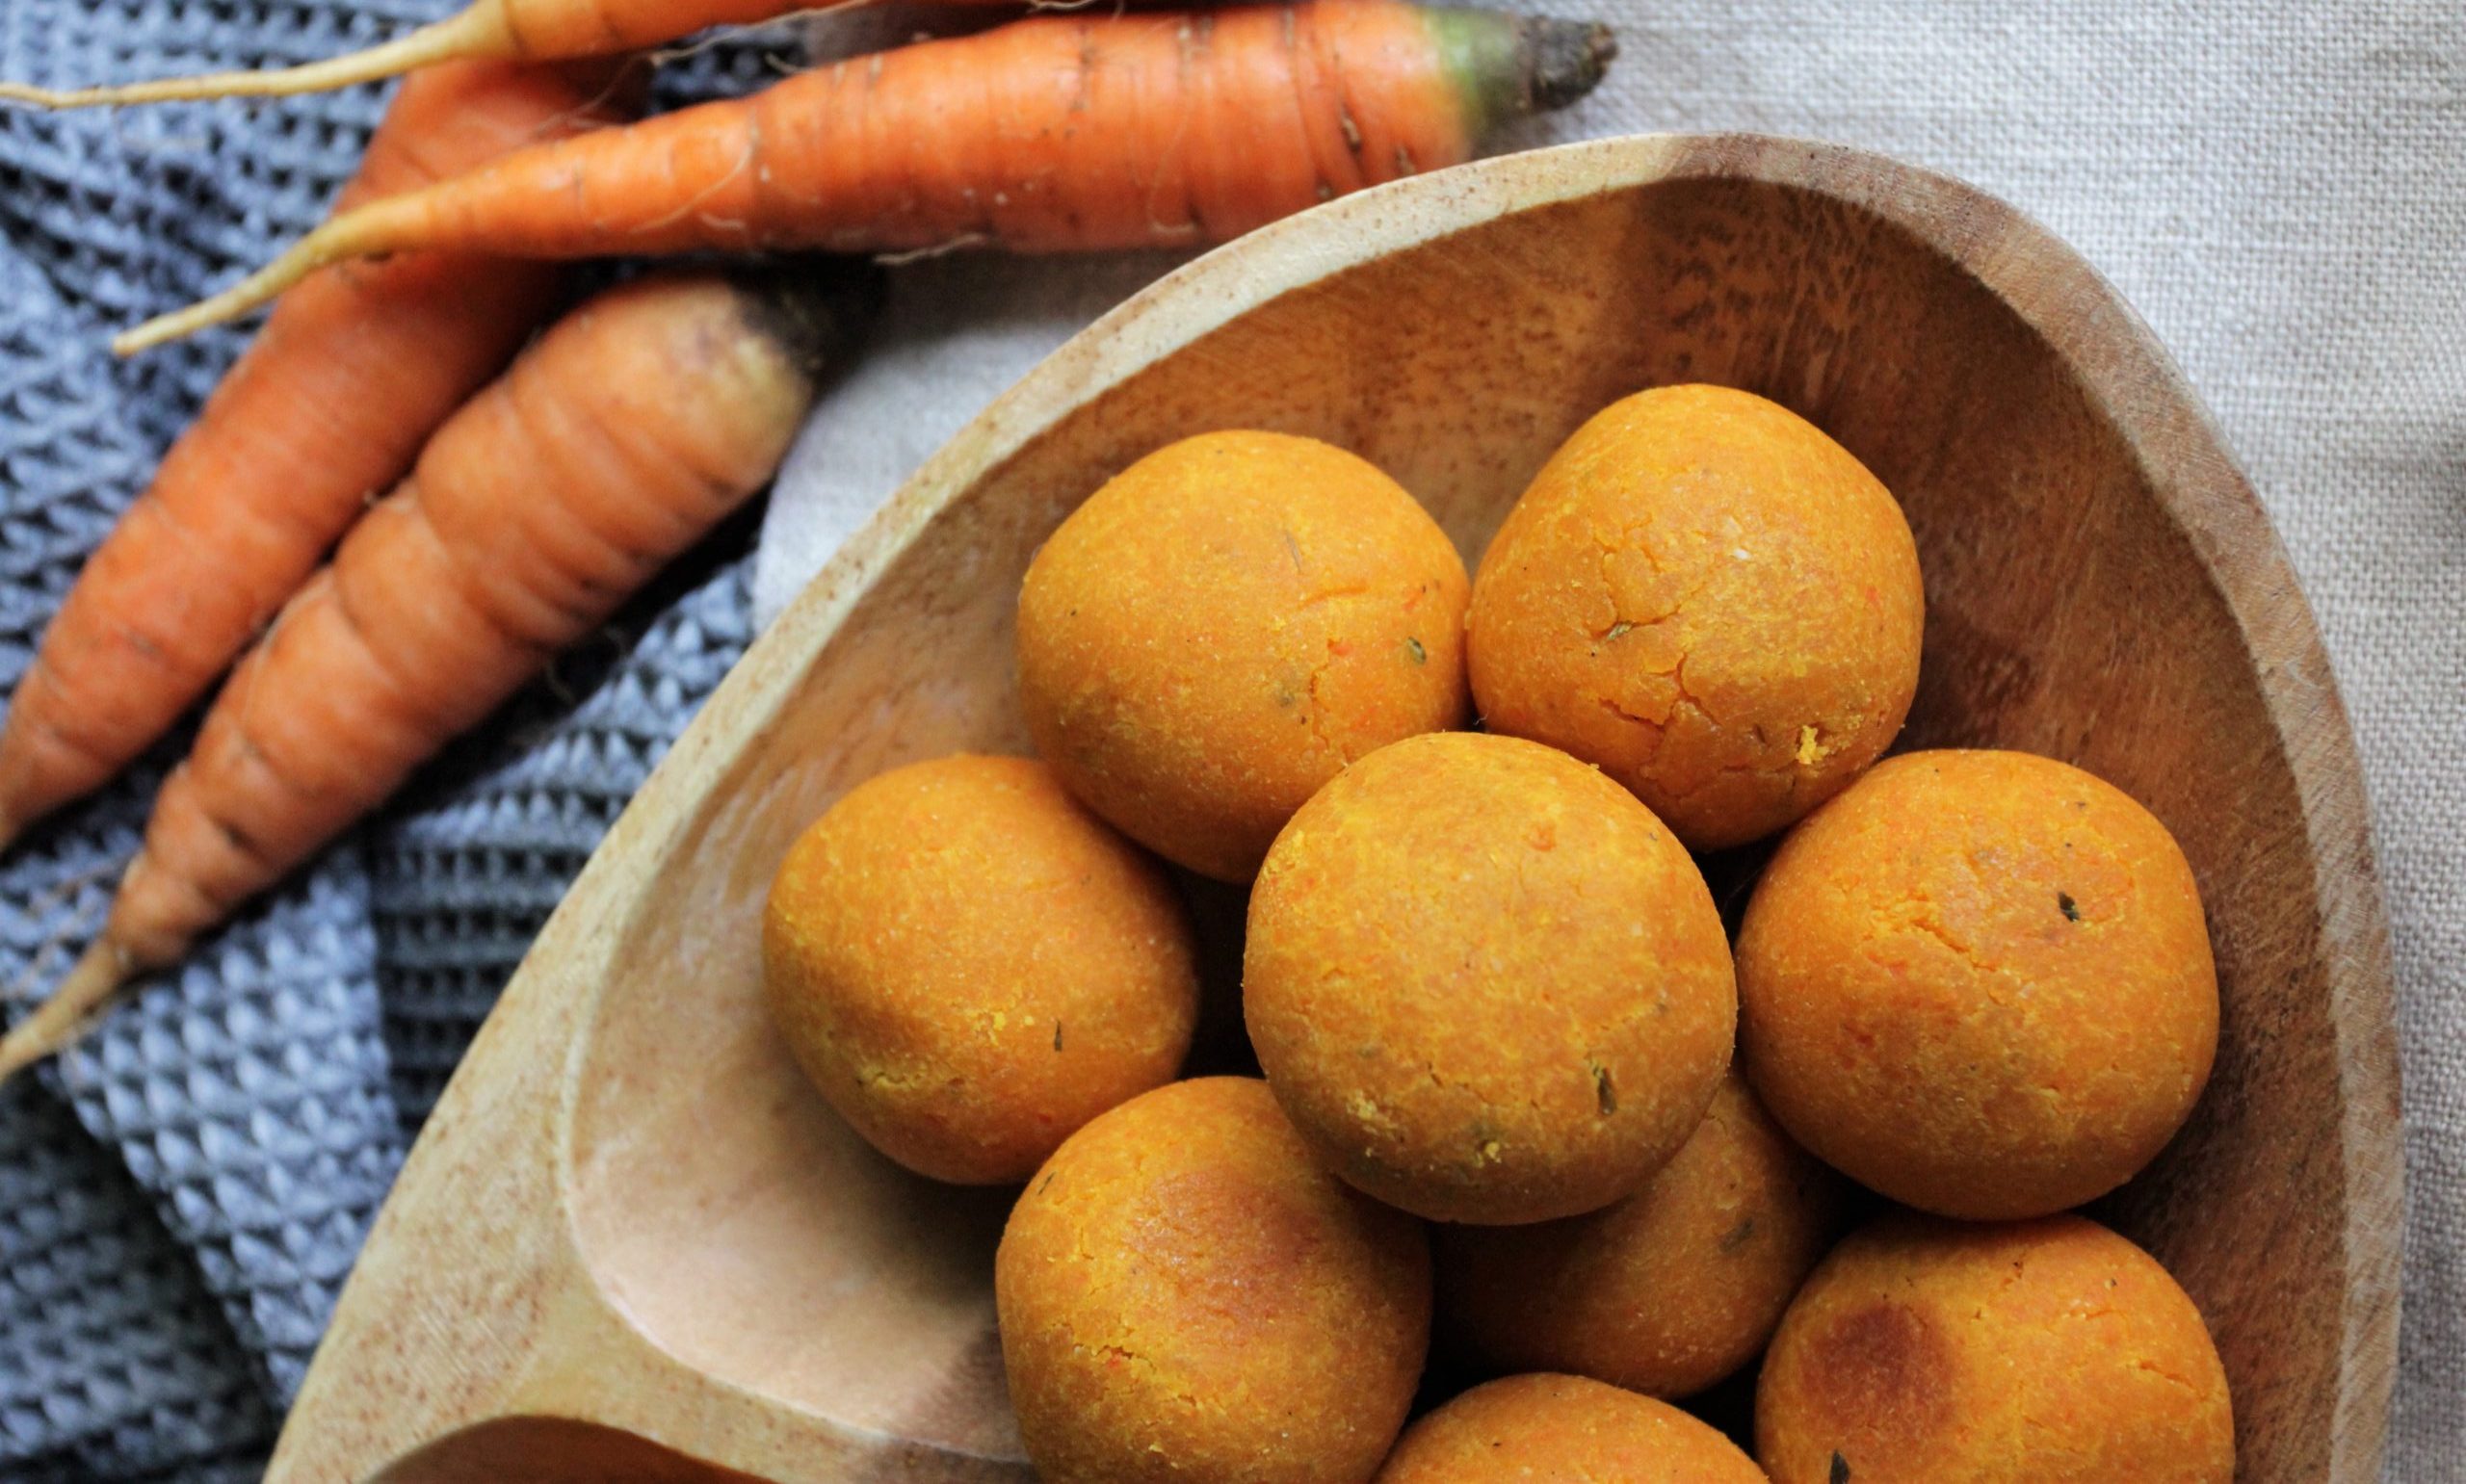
[(745, 1230), (552, 1450)]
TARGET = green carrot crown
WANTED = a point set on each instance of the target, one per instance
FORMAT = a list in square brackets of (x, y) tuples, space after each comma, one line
[(1508, 66)]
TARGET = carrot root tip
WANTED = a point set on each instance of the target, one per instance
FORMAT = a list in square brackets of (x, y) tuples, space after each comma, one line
[(322, 246), (473, 33), (59, 1021)]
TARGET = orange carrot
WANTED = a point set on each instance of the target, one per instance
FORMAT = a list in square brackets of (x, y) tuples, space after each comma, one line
[(612, 444), (491, 30), (356, 366), (1076, 130)]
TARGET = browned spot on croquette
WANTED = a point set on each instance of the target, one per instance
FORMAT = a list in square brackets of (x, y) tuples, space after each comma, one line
[(1257, 1249), (1198, 1300), (2037, 1352), (1886, 1365)]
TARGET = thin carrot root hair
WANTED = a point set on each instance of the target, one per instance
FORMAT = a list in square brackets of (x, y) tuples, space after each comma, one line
[(689, 50), (463, 34), (339, 240), (489, 29), (82, 993), (88, 987)]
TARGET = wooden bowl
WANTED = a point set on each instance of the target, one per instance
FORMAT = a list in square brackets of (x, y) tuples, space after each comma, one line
[(633, 1243)]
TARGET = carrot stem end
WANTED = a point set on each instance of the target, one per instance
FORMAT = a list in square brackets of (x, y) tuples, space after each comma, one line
[(1507, 66)]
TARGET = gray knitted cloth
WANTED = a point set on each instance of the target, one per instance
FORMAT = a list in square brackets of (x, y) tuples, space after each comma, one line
[(182, 1194)]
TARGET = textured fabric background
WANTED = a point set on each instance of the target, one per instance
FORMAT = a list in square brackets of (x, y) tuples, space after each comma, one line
[(2281, 190), (181, 1195)]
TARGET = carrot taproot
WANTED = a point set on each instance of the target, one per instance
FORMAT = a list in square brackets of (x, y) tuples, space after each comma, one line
[(355, 367), (612, 443), (1056, 132), (489, 30)]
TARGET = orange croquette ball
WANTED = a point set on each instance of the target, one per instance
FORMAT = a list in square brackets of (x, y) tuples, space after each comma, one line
[(1186, 1295), (1488, 984), (1546, 1429), (1666, 1292), (1980, 984), (969, 965), (2048, 1352), (1225, 625), (1711, 599)]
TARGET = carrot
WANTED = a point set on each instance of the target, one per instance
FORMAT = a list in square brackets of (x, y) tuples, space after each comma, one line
[(1052, 133), (355, 367), (612, 443), (489, 30)]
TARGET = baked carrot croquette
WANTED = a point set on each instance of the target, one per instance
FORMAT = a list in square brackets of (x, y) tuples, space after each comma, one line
[(1981, 983), (1711, 599), (1224, 626), (1550, 1429), (1185, 1295), (2048, 1352), (1487, 984), (969, 965), (1664, 1292)]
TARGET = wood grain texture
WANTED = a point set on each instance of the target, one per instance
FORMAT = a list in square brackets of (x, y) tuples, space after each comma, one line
[(629, 1212)]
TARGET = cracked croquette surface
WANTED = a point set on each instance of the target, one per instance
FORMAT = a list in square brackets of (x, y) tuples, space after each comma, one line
[(1227, 623), (1981, 983), (1710, 598), (1664, 1292), (1184, 1294), (1555, 1429), (969, 965), (2044, 1352), (1486, 983)]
